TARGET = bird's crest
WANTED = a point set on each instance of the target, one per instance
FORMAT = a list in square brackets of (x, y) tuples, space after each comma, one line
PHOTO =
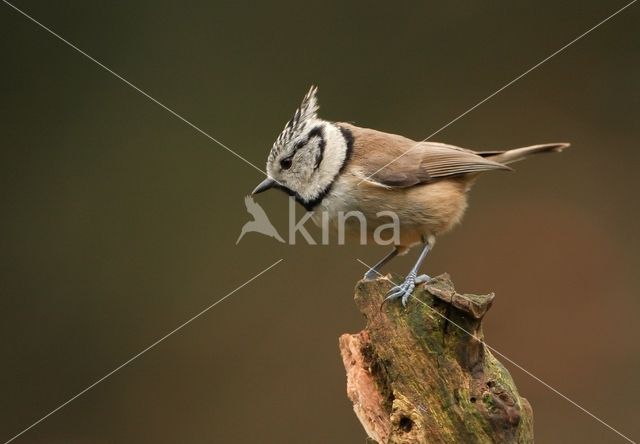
[(307, 110)]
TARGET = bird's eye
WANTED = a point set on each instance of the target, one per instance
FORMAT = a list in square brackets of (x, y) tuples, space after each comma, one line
[(286, 163)]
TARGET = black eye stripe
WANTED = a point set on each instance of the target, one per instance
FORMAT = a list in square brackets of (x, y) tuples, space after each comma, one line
[(315, 132), (318, 132), (286, 163), (320, 155)]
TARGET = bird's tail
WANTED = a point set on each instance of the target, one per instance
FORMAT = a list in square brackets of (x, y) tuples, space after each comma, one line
[(514, 155)]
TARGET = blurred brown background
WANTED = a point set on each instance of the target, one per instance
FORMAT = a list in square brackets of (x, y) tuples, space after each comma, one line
[(119, 221)]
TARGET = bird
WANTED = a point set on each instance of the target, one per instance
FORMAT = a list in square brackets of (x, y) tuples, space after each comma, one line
[(333, 167), (260, 222)]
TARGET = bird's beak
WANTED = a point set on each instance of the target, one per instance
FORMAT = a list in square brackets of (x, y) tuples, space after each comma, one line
[(264, 185)]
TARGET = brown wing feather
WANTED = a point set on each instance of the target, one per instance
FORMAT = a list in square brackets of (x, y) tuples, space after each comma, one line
[(396, 161)]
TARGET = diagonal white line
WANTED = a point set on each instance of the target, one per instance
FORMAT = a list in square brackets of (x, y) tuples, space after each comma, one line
[(566, 398), (133, 358), (157, 102), (502, 88)]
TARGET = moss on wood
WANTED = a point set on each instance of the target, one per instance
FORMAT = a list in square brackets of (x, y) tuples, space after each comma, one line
[(415, 376)]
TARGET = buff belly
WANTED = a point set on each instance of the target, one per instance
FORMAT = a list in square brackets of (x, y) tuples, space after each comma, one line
[(423, 211)]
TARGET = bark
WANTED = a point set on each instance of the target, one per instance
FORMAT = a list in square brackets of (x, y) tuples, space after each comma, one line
[(414, 375)]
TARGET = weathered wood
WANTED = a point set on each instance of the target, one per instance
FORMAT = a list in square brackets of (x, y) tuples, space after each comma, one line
[(415, 377)]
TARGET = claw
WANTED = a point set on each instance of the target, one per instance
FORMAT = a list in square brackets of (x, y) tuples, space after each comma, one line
[(402, 291), (405, 290)]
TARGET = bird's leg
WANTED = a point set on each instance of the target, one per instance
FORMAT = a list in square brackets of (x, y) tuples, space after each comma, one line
[(374, 271), (405, 289)]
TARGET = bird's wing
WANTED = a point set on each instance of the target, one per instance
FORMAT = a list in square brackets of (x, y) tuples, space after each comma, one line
[(394, 161), (442, 160)]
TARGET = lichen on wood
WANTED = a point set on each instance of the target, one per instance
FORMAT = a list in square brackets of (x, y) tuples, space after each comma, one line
[(422, 374)]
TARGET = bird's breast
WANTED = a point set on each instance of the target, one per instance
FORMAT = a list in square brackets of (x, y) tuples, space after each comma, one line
[(429, 209)]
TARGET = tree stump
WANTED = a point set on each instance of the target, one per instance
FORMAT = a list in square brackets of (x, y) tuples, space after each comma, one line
[(415, 377)]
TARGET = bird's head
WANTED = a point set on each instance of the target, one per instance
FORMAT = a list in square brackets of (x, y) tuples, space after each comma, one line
[(307, 155)]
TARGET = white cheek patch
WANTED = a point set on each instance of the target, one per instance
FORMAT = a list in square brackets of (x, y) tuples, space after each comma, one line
[(334, 156), (316, 166)]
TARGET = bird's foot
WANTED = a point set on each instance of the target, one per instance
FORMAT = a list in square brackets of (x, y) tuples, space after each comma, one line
[(404, 290)]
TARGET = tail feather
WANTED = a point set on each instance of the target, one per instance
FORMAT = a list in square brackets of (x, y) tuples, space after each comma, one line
[(510, 156)]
